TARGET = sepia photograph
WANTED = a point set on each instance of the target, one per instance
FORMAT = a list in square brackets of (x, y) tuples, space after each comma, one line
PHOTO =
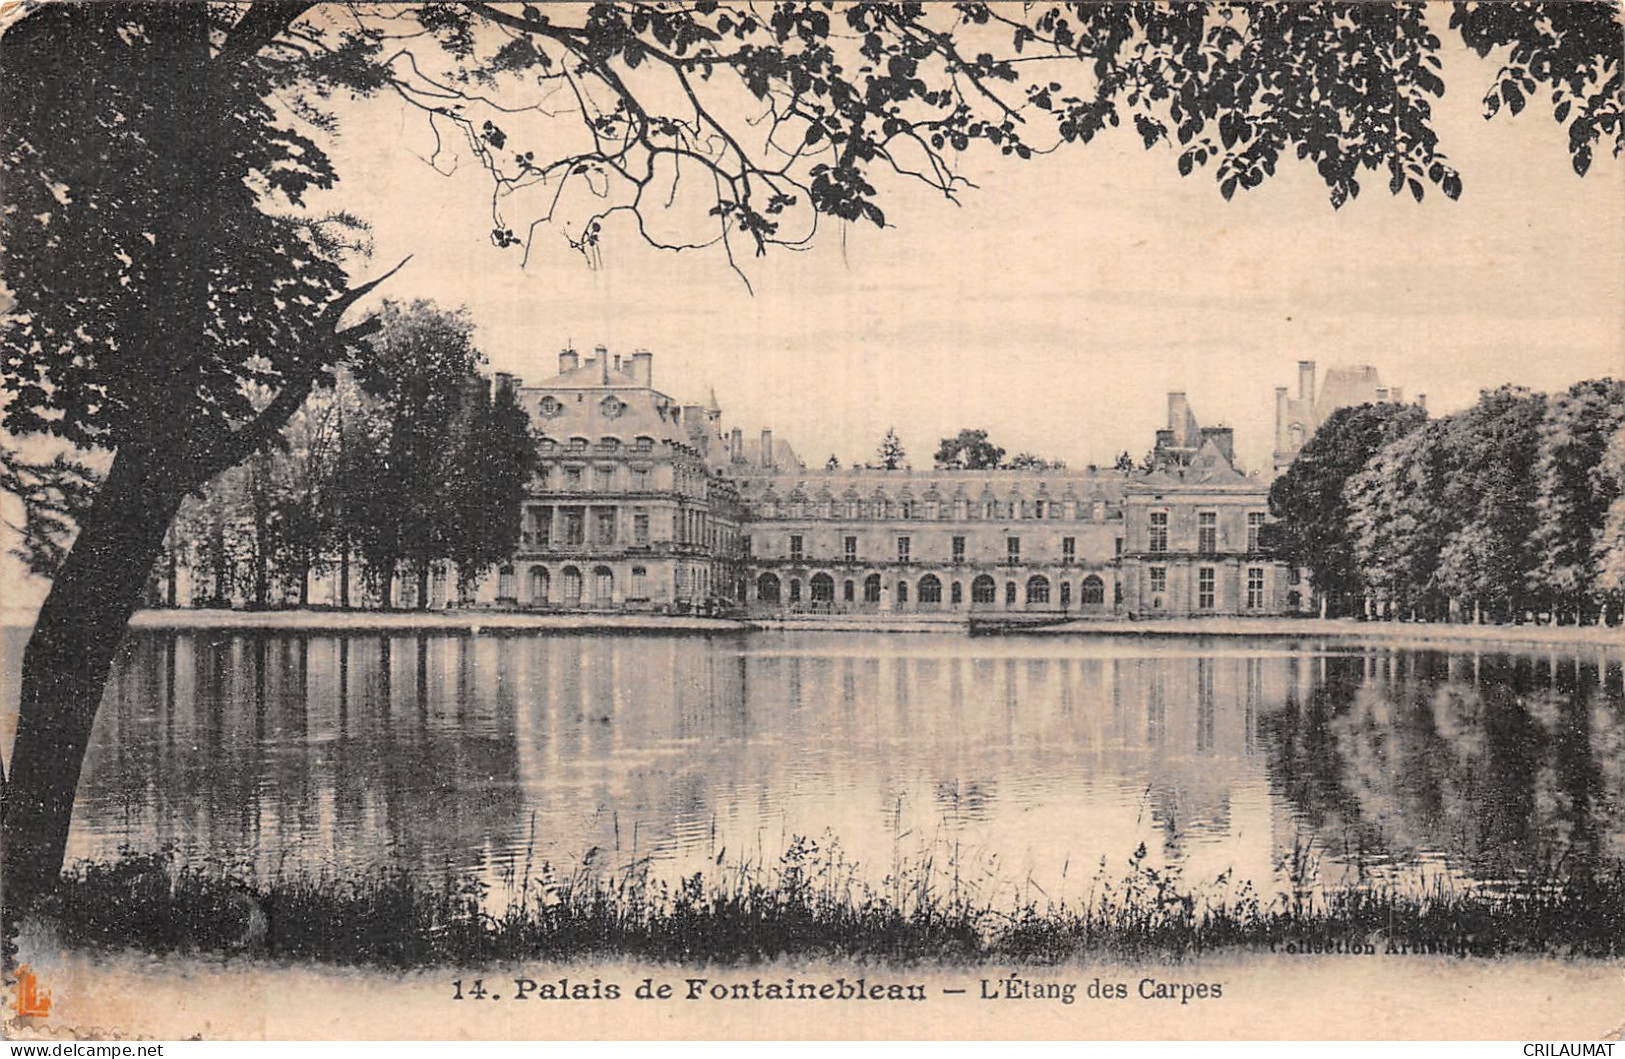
[(701, 520)]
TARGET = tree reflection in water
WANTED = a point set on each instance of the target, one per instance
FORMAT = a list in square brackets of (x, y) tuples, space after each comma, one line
[(1034, 758)]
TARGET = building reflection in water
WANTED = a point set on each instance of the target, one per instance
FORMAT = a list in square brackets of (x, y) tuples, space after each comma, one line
[(1028, 759)]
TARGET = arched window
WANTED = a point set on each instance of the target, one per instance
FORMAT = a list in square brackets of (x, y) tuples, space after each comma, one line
[(849, 591), (1037, 590), (795, 590), (767, 588), (572, 586), (538, 585), (958, 593), (902, 593), (640, 583), (823, 588), (603, 586), (983, 590), (505, 585), (930, 590), (871, 589), (1094, 591), (1009, 593)]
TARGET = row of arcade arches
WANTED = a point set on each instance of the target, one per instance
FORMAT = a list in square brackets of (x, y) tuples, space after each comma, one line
[(928, 592), (594, 586)]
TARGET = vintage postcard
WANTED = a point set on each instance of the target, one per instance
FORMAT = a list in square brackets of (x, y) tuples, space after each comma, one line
[(813, 520)]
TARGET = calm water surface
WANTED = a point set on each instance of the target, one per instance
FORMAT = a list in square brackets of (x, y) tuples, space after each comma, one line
[(1030, 758)]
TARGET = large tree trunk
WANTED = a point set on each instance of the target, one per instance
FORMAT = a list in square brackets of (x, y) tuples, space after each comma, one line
[(65, 667)]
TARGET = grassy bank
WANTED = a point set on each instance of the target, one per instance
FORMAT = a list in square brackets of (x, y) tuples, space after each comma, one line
[(810, 904)]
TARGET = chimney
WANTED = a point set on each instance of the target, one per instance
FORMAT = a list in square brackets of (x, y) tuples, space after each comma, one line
[(767, 448), (736, 449), (643, 367), (1306, 380), (1382, 395), (1179, 411), (617, 363), (1422, 401), (568, 361), (1396, 394), (506, 382), (601, 354), (1280, 417)]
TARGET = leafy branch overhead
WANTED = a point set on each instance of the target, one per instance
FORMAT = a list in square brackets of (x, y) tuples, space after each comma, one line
[(787, 113)]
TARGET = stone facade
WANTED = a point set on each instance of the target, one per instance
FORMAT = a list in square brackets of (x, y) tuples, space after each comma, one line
[(906, 541), (625, 511), (1179, 540)]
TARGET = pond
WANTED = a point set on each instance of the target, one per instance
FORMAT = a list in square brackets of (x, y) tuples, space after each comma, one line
[(1016, 763)]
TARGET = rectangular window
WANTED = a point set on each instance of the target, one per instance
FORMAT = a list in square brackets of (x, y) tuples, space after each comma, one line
[(959, 549), (1255, 587), (574, 527), (1207, 532), (1012, 549), (1158, 540), (795, 547), (908, 509), (1255, 524), (543, 473), (849, 549), (1069, 549), (1159, 579), (572, 478), (605, 528), (1204, 588), (1038, 509), (1097, 511), (640, 480), (640, 528), (603, 479), (903, 545)]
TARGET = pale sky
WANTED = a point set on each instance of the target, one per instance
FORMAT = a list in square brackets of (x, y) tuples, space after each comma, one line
[(1064, 297), (1061, 301)]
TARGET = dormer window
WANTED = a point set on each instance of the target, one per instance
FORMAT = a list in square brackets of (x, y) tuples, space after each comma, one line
[(578, 444), (644, 444)]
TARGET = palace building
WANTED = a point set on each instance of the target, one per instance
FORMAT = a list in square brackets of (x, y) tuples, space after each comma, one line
[(645, 503), (625, 511)]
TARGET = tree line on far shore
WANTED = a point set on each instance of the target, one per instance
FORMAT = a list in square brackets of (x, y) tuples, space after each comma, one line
[(415, 461), (1512, 510)]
